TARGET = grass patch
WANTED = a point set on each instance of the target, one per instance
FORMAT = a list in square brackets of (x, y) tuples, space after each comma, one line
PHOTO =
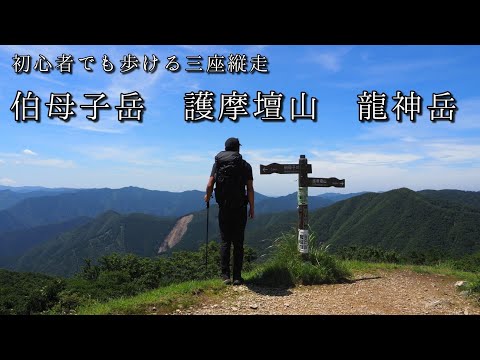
[(445, 268), (474, 287), (362, 266), (165, 299), (287, 267)]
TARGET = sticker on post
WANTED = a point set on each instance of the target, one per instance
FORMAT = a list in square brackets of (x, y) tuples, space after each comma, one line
[(303, 241), (302, 196)]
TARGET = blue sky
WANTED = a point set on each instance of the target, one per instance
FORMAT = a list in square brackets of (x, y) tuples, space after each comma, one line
[(167, 153)]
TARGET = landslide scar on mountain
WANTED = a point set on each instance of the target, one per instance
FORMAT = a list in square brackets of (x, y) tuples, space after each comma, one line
[(176, 234)]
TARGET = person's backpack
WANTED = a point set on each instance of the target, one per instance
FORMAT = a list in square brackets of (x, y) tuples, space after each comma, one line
[(230, 185)]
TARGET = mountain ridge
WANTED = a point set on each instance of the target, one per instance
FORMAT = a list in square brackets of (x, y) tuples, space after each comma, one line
[(401, 219)]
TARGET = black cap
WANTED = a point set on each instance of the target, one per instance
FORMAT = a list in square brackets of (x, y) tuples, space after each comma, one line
[(232, 144)]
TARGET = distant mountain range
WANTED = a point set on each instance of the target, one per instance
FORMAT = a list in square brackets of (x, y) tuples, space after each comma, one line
[(23, 210), (8, 198), (22, 189), (44, 210), (56, 232), (289, 202)]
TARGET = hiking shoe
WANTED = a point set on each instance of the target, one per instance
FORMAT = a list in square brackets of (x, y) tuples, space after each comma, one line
[(237, 282), (226, 280)]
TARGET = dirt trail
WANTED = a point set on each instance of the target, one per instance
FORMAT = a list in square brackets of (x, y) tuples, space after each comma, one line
[(176, 234), (384, 292)]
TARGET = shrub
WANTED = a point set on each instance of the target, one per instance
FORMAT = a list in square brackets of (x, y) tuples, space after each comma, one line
[(287, 266)]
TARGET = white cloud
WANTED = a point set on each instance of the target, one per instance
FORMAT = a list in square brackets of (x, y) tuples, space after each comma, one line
[(204, 50), (29, 152), (386, 177), (11, 155), (46, 78), (56, 163), (136, 156), (331, 59), (424, 131), (388, 68), (136, 81), (268, 156), (2, 161), (467, 116), (367, 158), (106, 127), (7, 182), (107, 124), (409, 139), (192, 158), (453, 152), (376, 178), (394, 130), (253, 50), (28, 157), (175, 176)]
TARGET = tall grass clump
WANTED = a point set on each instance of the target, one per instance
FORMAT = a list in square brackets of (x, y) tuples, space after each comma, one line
[(474, 288), (287, 267)]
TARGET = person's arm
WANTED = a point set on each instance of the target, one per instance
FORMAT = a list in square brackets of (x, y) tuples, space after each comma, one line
[(251, 199), (209, 190), (211, 181)]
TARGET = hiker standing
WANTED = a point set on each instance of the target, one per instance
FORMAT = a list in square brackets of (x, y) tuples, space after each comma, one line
[(232, 174)]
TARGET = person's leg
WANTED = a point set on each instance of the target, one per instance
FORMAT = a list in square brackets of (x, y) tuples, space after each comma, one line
[(225, 243), (238, 240)]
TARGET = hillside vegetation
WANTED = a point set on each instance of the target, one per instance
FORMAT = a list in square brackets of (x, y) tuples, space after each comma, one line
[(111, 232), (17, 242), (469, 198), (110, 277), (401, 220)]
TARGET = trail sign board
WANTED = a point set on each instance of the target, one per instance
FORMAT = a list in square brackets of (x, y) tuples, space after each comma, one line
[(283, 168), (326, 182)]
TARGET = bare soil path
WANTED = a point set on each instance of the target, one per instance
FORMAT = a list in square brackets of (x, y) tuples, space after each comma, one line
[(384, 292)]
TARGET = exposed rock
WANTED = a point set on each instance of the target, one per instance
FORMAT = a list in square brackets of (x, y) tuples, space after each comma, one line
[(460, 283), (434, 303)]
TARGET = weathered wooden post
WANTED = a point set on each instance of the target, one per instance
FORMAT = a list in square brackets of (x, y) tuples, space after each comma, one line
[(303, 168), (302, 201)]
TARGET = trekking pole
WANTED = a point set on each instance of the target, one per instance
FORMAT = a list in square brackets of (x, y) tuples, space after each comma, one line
[(206, 242)]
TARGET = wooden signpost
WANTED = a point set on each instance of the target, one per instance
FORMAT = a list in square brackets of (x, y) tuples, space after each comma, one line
[(303, 168)]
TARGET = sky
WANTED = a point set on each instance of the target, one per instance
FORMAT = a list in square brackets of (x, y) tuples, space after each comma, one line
[(165, 152)]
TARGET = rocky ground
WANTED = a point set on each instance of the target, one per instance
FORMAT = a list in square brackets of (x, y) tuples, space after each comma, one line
[(399, 292)]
